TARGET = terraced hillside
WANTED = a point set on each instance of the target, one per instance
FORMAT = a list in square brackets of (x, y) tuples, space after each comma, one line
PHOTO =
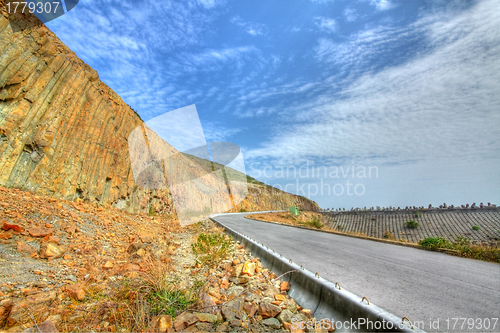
[(478, 225)]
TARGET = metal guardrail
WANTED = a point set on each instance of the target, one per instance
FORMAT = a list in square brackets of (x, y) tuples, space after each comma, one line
[(327, 299)]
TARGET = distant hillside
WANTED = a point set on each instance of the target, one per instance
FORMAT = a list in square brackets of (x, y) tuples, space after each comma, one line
[(261, 196)]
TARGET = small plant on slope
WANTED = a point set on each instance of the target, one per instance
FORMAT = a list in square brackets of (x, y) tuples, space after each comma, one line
[(434, 243), (412, 224), (211, 248), (315, 222)]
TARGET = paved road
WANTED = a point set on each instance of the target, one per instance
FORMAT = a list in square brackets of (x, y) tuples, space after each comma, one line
[(421, 285)]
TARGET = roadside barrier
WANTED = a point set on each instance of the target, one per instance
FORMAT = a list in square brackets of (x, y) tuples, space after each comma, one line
[(324, 298)]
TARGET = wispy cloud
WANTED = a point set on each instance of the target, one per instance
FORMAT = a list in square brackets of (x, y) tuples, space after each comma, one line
[(350, 14), (326, 24), (216, 131), (446, 98), (383, 4), (253, 29)]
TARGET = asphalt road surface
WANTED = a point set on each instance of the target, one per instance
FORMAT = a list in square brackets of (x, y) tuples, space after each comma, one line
[(421, 285)]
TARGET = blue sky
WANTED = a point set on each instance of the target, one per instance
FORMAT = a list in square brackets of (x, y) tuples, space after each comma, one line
[(409, 90)]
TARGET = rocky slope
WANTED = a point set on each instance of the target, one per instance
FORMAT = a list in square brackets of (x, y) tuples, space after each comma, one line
[(74, 266), (63, 132)]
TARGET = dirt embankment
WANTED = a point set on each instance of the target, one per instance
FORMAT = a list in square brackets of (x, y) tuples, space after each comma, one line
[(304, 219), (74, 266)]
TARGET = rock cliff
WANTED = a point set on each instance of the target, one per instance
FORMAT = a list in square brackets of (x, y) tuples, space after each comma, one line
[(63, 132)]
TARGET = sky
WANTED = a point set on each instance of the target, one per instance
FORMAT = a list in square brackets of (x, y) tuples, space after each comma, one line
[(350, 103)]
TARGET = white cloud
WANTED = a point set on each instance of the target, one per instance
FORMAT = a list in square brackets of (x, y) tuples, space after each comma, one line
[(443, 105), (251, 28), (350, 14), (326, 24), (383, 4)]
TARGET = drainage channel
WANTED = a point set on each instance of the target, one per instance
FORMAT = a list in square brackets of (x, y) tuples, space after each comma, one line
[(327, 300)]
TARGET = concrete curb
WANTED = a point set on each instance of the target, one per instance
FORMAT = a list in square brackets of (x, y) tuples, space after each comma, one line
[(344, 234), (313, 292)]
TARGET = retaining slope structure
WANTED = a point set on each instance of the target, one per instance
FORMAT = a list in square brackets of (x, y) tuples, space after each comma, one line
[(447, 223), (326, 299)]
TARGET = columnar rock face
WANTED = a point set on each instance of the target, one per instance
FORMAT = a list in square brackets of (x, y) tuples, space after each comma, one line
[(64, 133)]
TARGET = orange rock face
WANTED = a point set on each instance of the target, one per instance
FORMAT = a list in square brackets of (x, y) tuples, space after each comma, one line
[(63, 132)]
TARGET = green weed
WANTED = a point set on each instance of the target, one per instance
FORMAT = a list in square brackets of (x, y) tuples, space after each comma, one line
[(464, 248), (412, 224), (211, 248), (434, 243), (152, 211)]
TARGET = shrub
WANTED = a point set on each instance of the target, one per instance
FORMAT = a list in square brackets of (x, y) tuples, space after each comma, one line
[(411, 224), (476, 227), (419, 213), (315, 223), (211, 248), (464, 248), (340, 227), (242, 210), (434, 243)]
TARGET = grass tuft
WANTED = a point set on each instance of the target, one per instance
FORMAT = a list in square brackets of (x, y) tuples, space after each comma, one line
[(211, 248), (464, 248), (314, 222), (412, 224)]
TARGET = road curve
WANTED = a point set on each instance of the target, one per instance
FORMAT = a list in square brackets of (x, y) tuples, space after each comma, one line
[(422, 285)]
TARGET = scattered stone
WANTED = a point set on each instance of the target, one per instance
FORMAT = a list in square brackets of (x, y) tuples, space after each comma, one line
[(249, 269), (268, 310), (184, 320), (108, 264), (306, 312), (285, 316), (163, 323), (50, 250), (237, 270), (206, 317), (234, 291), (234, 309), (8, 226), (39, 231), (4, 235), (285, 286), (23, 247), (240, 280), (272, 322), (250, 309), (75, 291), (208, 304)]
